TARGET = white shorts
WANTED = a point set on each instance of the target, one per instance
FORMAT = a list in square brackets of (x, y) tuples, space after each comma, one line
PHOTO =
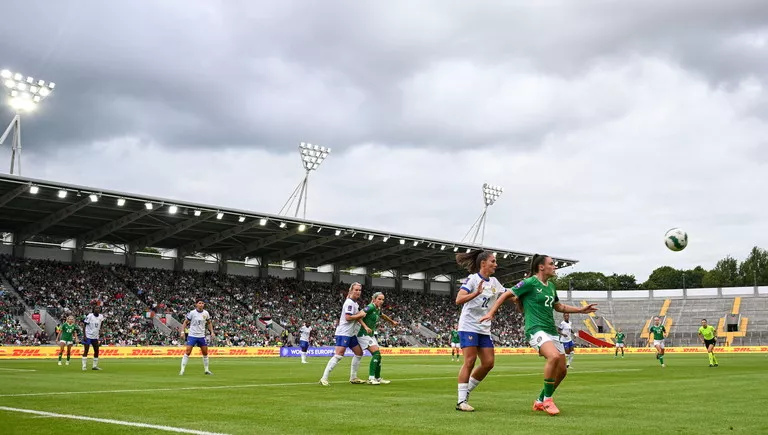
[(367, 341), (541, 337), (456, 345), (659, 343), (619, 344), (68, 343)]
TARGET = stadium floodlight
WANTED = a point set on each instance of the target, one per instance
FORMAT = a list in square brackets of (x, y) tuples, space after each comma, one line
[(402, 241), (93, 197), (241, 219), (34, 189), (219, 215), (491, 194), (311, 158), (197, 213), (263, 221), (338, 232), (370, 237), (24, 94), (283, 225), (302, 227), (385, 239), (62, 194), (172, 209), (120, 202), (148, 205)]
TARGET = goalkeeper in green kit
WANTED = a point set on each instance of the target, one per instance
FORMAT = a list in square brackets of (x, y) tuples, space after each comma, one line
[(368, 341)]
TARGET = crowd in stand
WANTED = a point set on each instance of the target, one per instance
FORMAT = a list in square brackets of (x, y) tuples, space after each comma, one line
[(11, 331), (247, 311)]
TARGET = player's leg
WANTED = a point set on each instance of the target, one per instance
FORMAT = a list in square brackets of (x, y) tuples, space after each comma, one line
[(622, 350), (453, 351), (554, 373), (356, 359), (185, 357), (711, 349), (470, 357), (374, 370), (96, 345), (304, 348), (204, 351), (86, 348), (568, 354), (61, 350), (660, 348), (69, 351), (616, 351), (338, 354), (487, 359)]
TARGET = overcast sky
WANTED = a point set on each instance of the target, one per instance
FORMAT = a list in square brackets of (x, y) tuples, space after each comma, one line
[(606, 122)]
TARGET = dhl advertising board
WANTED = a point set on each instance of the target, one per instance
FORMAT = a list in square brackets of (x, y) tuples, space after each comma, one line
[(44, 352)]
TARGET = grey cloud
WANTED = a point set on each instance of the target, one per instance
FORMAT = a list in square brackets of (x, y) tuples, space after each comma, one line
[(200, 73)]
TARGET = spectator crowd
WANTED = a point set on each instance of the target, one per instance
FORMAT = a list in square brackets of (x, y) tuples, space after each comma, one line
[(247, 311)]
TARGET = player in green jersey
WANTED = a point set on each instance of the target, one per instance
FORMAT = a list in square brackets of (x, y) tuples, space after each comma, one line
[(708, 336), (539, 301), (67, 336), (367, 339), (619, 343), (455, 344), (659, 334)]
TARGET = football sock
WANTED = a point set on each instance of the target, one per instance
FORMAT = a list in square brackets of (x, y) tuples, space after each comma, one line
[(473, 383), (331, 364), (549, 387), (355, 365), (463, 392)]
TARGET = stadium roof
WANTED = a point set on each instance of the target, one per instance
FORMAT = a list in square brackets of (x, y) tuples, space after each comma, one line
[(31, 207)]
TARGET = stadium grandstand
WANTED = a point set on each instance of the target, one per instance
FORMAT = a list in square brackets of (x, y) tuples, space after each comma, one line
[(145, 259)]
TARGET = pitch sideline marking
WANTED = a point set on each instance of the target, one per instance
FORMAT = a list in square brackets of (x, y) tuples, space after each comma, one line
[(284, 384), (18, 370), (109, 421)]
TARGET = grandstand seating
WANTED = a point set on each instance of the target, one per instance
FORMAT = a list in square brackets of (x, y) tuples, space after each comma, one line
[(243, 308)]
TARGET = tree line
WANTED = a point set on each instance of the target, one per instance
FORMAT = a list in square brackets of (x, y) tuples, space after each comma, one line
[(728, 272)]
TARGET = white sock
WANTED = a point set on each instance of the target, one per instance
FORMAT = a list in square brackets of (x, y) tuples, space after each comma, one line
[(331, 364), (463, 392), (184, 361), (205, 363), (85, 361), (570, 358), (473, 383), (95, 362), (355, 365), (303, 356)]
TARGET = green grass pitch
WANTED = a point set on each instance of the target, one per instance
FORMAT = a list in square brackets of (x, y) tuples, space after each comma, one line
[(282, 396)]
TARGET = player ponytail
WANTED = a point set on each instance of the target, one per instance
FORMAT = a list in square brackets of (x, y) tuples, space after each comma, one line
[(536, 261), (376, 295), (471, 260)]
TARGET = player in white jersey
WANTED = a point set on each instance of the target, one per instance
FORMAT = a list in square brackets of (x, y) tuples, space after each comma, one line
[(476, 296), (93, 323), (566, 337), (306, 332), (346, 336), (198, 320)]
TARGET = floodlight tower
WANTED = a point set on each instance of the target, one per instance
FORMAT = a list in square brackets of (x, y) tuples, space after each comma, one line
[(490, 195), (24, 95), (311, 157)]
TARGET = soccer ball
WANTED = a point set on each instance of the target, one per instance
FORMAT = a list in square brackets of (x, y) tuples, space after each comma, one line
[(676, 239)]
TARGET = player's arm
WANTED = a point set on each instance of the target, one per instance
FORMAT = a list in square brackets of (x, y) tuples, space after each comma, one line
[(562, 308), (499, 302), (353, 317), (701, 337), (466, 293), (209, 323), (184, 327), (389, 319), (363, 325)]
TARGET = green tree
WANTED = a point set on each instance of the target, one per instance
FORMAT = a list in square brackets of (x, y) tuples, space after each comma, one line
[(754, 269), (724, 274), (694, 277), (664, 277)]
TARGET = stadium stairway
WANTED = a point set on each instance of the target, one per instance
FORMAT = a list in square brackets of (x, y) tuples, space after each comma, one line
[(743, 323), (666, 320), (589, 322)]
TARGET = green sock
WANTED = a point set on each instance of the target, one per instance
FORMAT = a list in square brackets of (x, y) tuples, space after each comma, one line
[(541, 395), (59, 357), (661, 359), (372, 367), (376, 361), (67, 357), (549, 387)]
